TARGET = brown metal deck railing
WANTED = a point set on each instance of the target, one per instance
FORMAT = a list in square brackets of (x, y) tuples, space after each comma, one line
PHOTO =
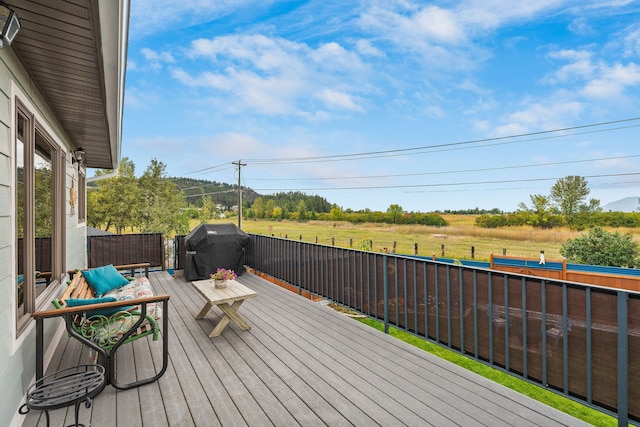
[(574, 339)]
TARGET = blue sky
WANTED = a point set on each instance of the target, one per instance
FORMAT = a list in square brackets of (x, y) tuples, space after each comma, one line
[(430, 105)]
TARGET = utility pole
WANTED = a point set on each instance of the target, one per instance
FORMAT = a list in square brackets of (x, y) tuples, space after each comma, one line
[(239, 164)]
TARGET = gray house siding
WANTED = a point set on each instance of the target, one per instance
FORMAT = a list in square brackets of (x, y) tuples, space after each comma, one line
[(17, 356)]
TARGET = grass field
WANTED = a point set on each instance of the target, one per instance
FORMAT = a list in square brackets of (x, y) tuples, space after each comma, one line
[(455, 240)]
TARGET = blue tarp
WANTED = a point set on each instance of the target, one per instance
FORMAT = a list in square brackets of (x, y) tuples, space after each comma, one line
[(531, 263)]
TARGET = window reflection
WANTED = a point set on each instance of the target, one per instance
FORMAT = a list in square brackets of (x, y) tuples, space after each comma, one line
[(44, 215), (38, 225), (20, 188)]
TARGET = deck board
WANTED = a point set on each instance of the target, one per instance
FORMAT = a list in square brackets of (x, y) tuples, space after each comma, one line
[(300, 364)]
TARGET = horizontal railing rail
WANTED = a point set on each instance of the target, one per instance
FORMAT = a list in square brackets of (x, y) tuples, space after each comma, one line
[(577, 340)]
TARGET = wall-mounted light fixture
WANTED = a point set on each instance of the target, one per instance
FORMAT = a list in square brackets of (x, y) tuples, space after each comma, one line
[(8, 23), (79, 156)]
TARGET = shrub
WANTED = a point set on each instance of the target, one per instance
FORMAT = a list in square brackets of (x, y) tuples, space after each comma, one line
[(600, 247)]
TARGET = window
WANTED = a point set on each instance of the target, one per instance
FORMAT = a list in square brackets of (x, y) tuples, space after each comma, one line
[(39, 217)]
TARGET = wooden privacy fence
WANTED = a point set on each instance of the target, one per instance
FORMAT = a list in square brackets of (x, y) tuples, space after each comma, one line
[(120, 249), (612, 277), (574, 339)]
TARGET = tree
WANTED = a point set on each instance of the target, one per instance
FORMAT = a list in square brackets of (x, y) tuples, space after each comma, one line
[(600, 247), (540, 211), (336, 214), (268, 209), (395, 213), (302, 210), (116, 199), (163, 206), (208, 208), (569, 194), (258, 208)]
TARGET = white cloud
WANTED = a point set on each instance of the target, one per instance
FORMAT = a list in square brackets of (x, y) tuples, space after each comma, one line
[(540, 116), (593, 79), (437, 24), (274, 76), (333, 56), (156, 59), (580, 67), (366, 48), (341, 100), (152, 16), (613, 81), (632, 42), (580, 26)]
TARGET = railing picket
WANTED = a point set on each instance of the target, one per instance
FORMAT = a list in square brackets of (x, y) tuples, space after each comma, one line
[(588, 347), (507, 318), (437, 303), (543, 330), (461, 309), (415, 297), (475, 314), (490, 310), (426, 302), (405, 298), (448, 282), (623, 358), (525, 350), (385, 278), (565, 341)]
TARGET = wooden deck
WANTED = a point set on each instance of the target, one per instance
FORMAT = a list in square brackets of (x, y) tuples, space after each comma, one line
[(302, 363)]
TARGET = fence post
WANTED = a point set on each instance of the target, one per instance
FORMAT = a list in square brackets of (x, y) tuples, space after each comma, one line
[(394, 246), (351, 242), (385, 287), (442, 249), (333, 241), (473, 252), (415, 248)]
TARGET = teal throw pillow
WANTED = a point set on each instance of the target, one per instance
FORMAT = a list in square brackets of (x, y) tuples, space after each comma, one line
[(77, 302), (104, 279)]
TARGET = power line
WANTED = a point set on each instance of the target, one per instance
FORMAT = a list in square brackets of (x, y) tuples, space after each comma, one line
[(378, 187), (447, 172), (404, 151), (208, 194), (432, 148), (217, 168)]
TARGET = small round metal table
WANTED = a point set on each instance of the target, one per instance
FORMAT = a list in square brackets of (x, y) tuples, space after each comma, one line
[(67, 387)]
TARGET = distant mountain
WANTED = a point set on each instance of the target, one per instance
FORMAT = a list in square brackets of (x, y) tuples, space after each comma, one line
[(628, 204), (222, 193)]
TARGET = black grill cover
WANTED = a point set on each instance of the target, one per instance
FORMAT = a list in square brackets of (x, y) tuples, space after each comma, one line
[(212, 246)]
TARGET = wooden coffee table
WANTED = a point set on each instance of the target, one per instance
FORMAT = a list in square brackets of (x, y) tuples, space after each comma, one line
[(228, 300)]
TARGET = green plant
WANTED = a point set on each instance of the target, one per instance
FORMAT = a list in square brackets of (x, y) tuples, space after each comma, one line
[(364, 244), (223, 274), (600, 247)]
